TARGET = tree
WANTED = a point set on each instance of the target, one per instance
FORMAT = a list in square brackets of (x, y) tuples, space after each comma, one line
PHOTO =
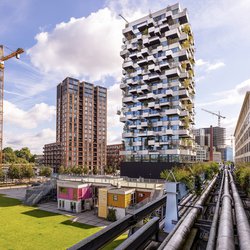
[(24, 153), (45, 171), (85, 170), (95, 170), (2, 175), (109, 170), (14, 172), (61, 170), (9, 155), (27, 171), (67, 171)]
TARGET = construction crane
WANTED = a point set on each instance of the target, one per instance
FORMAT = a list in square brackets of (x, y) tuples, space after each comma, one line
[(2, 60), (218, 115)]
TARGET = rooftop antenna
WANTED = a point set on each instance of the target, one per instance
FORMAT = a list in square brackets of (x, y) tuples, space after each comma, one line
[(123, 18)]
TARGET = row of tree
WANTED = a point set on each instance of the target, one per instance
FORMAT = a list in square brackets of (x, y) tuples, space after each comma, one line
[(18, 156), (192, 175), (20, 172)]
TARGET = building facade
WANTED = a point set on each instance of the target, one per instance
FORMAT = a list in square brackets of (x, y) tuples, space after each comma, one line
[(200, 136), (242, 132), (81, 127), (228, 153), (74, 196), (114, 158), (201, 153), (203, 138), (52, 156), (158, 88)]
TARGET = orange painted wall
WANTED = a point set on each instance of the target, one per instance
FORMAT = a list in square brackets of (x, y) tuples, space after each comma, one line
[(140, 193), (122, 200)]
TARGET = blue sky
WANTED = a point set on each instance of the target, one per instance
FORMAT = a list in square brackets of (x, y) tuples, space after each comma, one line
[(82, 39)]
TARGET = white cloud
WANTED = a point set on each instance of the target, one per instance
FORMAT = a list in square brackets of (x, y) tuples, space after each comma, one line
[(215, 66), (199, 79), (200, 62), (209, 66), (34, 141), (231, 96), (114, 125), (29, 119), (82, 47)]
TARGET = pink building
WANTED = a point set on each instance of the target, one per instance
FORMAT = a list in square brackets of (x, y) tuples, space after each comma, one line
[(74, 196)]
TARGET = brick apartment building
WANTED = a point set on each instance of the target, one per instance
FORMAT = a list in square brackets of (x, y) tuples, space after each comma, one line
[(81, 126), (52, 155)]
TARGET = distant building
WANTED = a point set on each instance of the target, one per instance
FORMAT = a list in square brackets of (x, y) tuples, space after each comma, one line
[(39, 160), (242, 132), (228, 153), (201, 153), (203, 135), (81, 127), (200, 136), (216, 155), (114, 158), (52, 155)]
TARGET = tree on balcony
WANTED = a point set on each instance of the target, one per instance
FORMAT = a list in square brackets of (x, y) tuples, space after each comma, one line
[(191, 73), (150, 125), (184, 65), (186, 29), (186, 83), (186, 122), (186, 44), (145, 32)]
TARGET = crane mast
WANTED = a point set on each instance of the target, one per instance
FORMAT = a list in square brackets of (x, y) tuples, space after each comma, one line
[(2, 60)]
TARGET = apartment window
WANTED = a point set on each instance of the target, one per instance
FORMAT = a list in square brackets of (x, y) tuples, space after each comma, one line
[(115, 197), (63, 190)]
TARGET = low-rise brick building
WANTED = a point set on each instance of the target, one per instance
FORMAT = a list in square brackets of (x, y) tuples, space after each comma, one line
[(52, 155)]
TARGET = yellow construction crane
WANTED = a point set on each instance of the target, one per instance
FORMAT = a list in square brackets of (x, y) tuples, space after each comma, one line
[(2, 60), (218, 115)]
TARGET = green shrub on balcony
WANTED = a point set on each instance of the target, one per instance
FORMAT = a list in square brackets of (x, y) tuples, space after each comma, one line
[(186, 29), (145, 32), (186, 44), (186, 83), (184, 65), (191, 73)]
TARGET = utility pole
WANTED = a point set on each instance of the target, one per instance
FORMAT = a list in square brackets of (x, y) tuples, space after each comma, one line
[(2, 60)]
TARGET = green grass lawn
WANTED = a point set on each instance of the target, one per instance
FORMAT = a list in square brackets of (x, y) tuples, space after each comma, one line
[(26, 228)]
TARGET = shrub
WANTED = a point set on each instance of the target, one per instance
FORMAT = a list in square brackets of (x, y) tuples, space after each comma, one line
[(111, 215), (242, 174)]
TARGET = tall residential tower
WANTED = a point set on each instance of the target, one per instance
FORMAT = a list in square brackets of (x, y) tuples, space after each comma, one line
[(158, 88), (81, 127)]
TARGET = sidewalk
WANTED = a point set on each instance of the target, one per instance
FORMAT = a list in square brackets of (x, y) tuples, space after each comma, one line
[(87, 217)]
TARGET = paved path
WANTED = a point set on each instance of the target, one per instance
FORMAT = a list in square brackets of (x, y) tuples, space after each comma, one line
[(17, 192), (87, 217)]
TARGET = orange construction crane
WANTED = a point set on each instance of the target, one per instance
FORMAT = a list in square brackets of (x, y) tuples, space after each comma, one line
[(2, 60)]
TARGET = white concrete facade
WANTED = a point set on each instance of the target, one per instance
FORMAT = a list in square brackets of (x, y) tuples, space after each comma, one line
[(158, 87)]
